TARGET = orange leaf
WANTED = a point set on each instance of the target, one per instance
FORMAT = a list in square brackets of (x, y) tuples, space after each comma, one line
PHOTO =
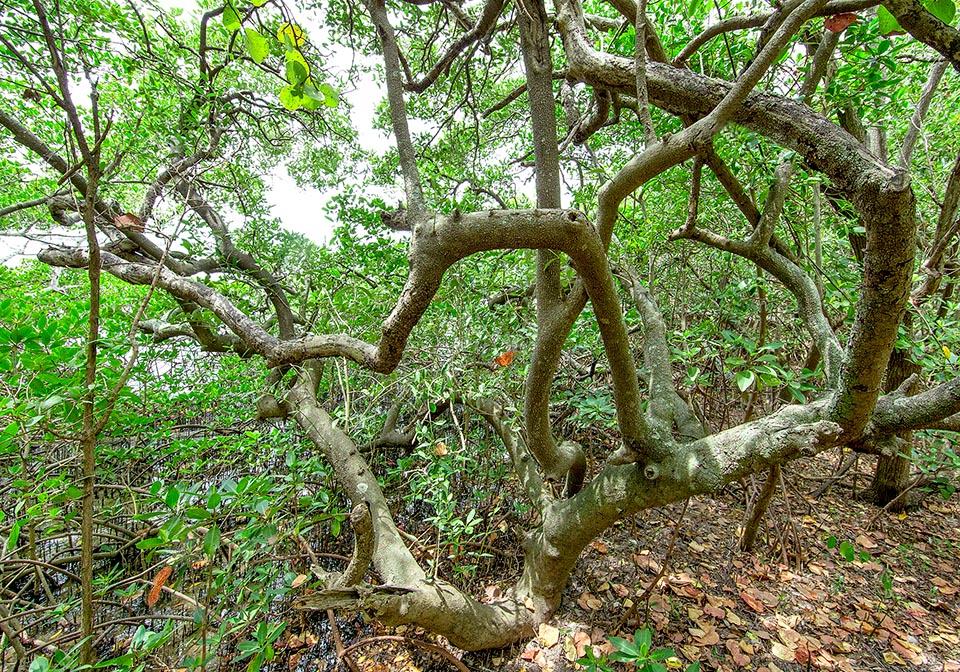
[(838, 22), (505, 358), (158, 581)]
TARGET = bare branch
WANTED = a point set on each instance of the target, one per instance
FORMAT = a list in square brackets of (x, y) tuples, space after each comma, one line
[(483, 26)]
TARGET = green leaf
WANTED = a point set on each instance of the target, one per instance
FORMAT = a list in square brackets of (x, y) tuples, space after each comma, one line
[(331, 95), (231, 20), (745, 379), (50, 402), (147, 544), (944, 10), (662, 654), (257, 45), (211, 541), (847, 551), (40, 664), (888, 25), (124, 662), (290, 98), (831, 542), (172, 498), (694, 7), (14, 538), (73, 492), (297, 69), (8, 435), (196, 513)]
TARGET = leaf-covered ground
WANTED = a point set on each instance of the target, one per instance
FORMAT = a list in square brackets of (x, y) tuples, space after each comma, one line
[(795, 604)]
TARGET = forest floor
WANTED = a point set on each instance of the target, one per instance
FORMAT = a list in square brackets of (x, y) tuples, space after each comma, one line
[(835, 584)]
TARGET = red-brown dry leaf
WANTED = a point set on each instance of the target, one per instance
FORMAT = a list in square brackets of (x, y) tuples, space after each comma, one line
[(733, 648), (158, 581), (492, 593), (128, 220), (599, 547), (581, 640), (838, 22), (505, 358), (714, 612), (752, 602), (589, 602), (909, 651), (768, 599), (646, 561)]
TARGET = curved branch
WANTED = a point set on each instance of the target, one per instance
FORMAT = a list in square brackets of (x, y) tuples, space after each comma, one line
[(242, 260), (441, 241), (253, 335)]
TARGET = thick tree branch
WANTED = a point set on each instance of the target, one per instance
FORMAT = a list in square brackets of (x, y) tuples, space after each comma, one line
[(398, 112), (665, 408), (924, 26), (252, 334), (896, 412), (920, 112)]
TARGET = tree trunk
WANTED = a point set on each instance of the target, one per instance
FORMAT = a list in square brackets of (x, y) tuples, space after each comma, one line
[(759, 509), (892, 474)]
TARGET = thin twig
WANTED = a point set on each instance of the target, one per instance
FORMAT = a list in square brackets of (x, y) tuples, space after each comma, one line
[(648, 591)]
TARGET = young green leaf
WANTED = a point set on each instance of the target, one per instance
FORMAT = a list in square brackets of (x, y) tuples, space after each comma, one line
[(256, 45), (231, 20), (290, 98), (211, 541), (330, 94), (944, 10), (888, 24), (745, 379), (14, 536)]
